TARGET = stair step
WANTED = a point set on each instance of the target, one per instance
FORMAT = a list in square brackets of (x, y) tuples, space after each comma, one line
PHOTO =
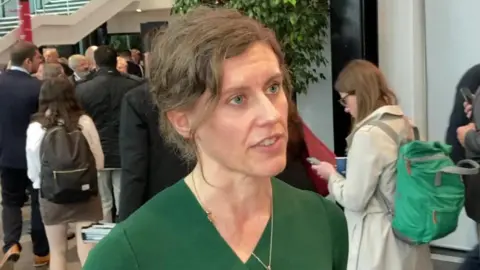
[(65, 12), (52, 11), (60, 5), (65, 1), (62, 2), (10, 24), (7, 27), (8, 19)]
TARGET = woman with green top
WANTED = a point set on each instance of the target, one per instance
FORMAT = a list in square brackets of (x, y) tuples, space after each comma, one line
[(221, 84)]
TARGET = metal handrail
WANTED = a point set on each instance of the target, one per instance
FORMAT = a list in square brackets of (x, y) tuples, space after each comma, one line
[(4, 2)]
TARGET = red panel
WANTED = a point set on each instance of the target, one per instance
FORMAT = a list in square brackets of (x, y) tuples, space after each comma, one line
[(25, 20), (317, 149)]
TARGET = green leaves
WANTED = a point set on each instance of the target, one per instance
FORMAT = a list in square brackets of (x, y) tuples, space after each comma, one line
[(300, 27)]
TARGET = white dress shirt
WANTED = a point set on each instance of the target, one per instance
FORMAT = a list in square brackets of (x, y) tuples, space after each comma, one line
[(35, 134)]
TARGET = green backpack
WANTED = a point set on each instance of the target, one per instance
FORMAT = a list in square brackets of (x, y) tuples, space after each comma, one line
[(429, 189)]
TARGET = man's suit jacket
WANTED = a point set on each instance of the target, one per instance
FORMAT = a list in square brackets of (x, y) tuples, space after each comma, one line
[(148, 165), (18, 101)]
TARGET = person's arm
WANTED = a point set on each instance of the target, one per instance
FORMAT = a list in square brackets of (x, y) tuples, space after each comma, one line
[(134, 157), (35, 134), (91, 135), (472, 137), (339, 233), (114, 252), (367, 158)]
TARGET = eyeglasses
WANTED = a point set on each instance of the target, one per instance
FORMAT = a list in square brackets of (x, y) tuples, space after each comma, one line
[(343, 100)]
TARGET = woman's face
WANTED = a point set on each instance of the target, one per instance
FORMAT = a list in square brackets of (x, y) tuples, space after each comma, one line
[(247, 131), (349, 102)]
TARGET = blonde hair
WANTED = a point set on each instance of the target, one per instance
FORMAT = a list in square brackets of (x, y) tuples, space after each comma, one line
[(364, 80)]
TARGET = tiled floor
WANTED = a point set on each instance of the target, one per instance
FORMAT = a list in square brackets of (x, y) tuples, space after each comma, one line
[(26, 259), (444, 260)]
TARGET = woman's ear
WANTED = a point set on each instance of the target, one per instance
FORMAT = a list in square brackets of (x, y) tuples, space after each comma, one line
[(180, 122)]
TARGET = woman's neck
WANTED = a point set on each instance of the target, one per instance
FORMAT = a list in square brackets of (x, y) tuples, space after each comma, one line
[(229, 194)]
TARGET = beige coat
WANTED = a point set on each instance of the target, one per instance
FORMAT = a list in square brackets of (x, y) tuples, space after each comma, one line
[(370, 168)]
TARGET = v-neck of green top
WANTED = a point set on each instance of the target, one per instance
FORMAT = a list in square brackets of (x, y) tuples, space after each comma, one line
[(172, 232), (262, 248)]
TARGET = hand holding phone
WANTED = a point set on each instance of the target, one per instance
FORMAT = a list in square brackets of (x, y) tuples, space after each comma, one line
[(467, 95), (313, 161)]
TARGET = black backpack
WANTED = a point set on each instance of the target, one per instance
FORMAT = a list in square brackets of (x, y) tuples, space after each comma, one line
[(68, 171)]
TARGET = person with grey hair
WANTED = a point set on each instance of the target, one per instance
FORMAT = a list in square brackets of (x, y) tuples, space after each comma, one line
[(50, 55), (79, 64)]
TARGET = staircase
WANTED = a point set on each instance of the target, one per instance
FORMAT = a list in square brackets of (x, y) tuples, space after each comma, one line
[(52, 7), (7, 24), (79, 19), (61, 7)]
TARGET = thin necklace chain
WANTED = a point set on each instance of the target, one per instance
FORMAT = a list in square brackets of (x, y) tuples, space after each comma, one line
[(209, 216), (269, 266)]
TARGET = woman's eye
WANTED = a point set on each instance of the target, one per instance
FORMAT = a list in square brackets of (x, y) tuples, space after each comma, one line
[(274, 89), (237, 100)]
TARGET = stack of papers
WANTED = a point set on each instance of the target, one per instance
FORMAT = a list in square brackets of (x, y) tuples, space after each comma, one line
[(96, 232)]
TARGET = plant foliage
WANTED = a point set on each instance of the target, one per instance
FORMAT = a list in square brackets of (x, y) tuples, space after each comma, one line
[(300, 26)]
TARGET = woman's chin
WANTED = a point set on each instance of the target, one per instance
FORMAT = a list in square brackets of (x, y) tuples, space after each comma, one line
[(269, 168)]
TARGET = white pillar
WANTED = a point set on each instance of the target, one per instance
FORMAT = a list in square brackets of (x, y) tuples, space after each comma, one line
[(316, 107), (401, 48)]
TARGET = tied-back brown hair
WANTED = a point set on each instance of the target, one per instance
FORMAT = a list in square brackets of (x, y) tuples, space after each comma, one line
[(187, 60), (57, 104), (364, 80)]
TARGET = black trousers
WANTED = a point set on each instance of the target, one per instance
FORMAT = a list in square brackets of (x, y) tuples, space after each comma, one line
[(15, 183)]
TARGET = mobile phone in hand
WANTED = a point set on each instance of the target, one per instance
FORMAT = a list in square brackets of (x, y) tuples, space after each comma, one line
[(313, 161), (467, 95)]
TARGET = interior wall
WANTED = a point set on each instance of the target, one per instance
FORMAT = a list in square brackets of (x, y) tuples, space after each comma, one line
[(401, 48), (315, 107)]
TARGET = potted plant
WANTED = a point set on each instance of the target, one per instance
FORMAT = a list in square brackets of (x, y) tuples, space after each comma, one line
[(300, 26)]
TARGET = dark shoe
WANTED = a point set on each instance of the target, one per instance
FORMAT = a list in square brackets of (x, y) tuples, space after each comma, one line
[(12, 254), (40, 261)]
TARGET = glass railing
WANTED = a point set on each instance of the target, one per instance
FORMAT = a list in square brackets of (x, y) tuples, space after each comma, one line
[(9, 10), (57, 7)]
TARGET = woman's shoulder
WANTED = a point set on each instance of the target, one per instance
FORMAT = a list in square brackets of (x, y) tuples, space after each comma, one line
[(35, 129), (308, 202), (167, 203), (84, 119), (35, 125), (312, 214)]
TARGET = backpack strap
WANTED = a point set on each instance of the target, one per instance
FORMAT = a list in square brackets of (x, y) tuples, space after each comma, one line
[(473, 169), (387, 129), (396, 137)]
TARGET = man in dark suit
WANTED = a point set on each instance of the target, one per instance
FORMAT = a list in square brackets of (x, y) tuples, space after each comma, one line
[(101, 97), (19, 93), (148, 165)]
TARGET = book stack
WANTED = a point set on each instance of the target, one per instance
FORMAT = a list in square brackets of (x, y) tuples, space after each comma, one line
[(96, 232)]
